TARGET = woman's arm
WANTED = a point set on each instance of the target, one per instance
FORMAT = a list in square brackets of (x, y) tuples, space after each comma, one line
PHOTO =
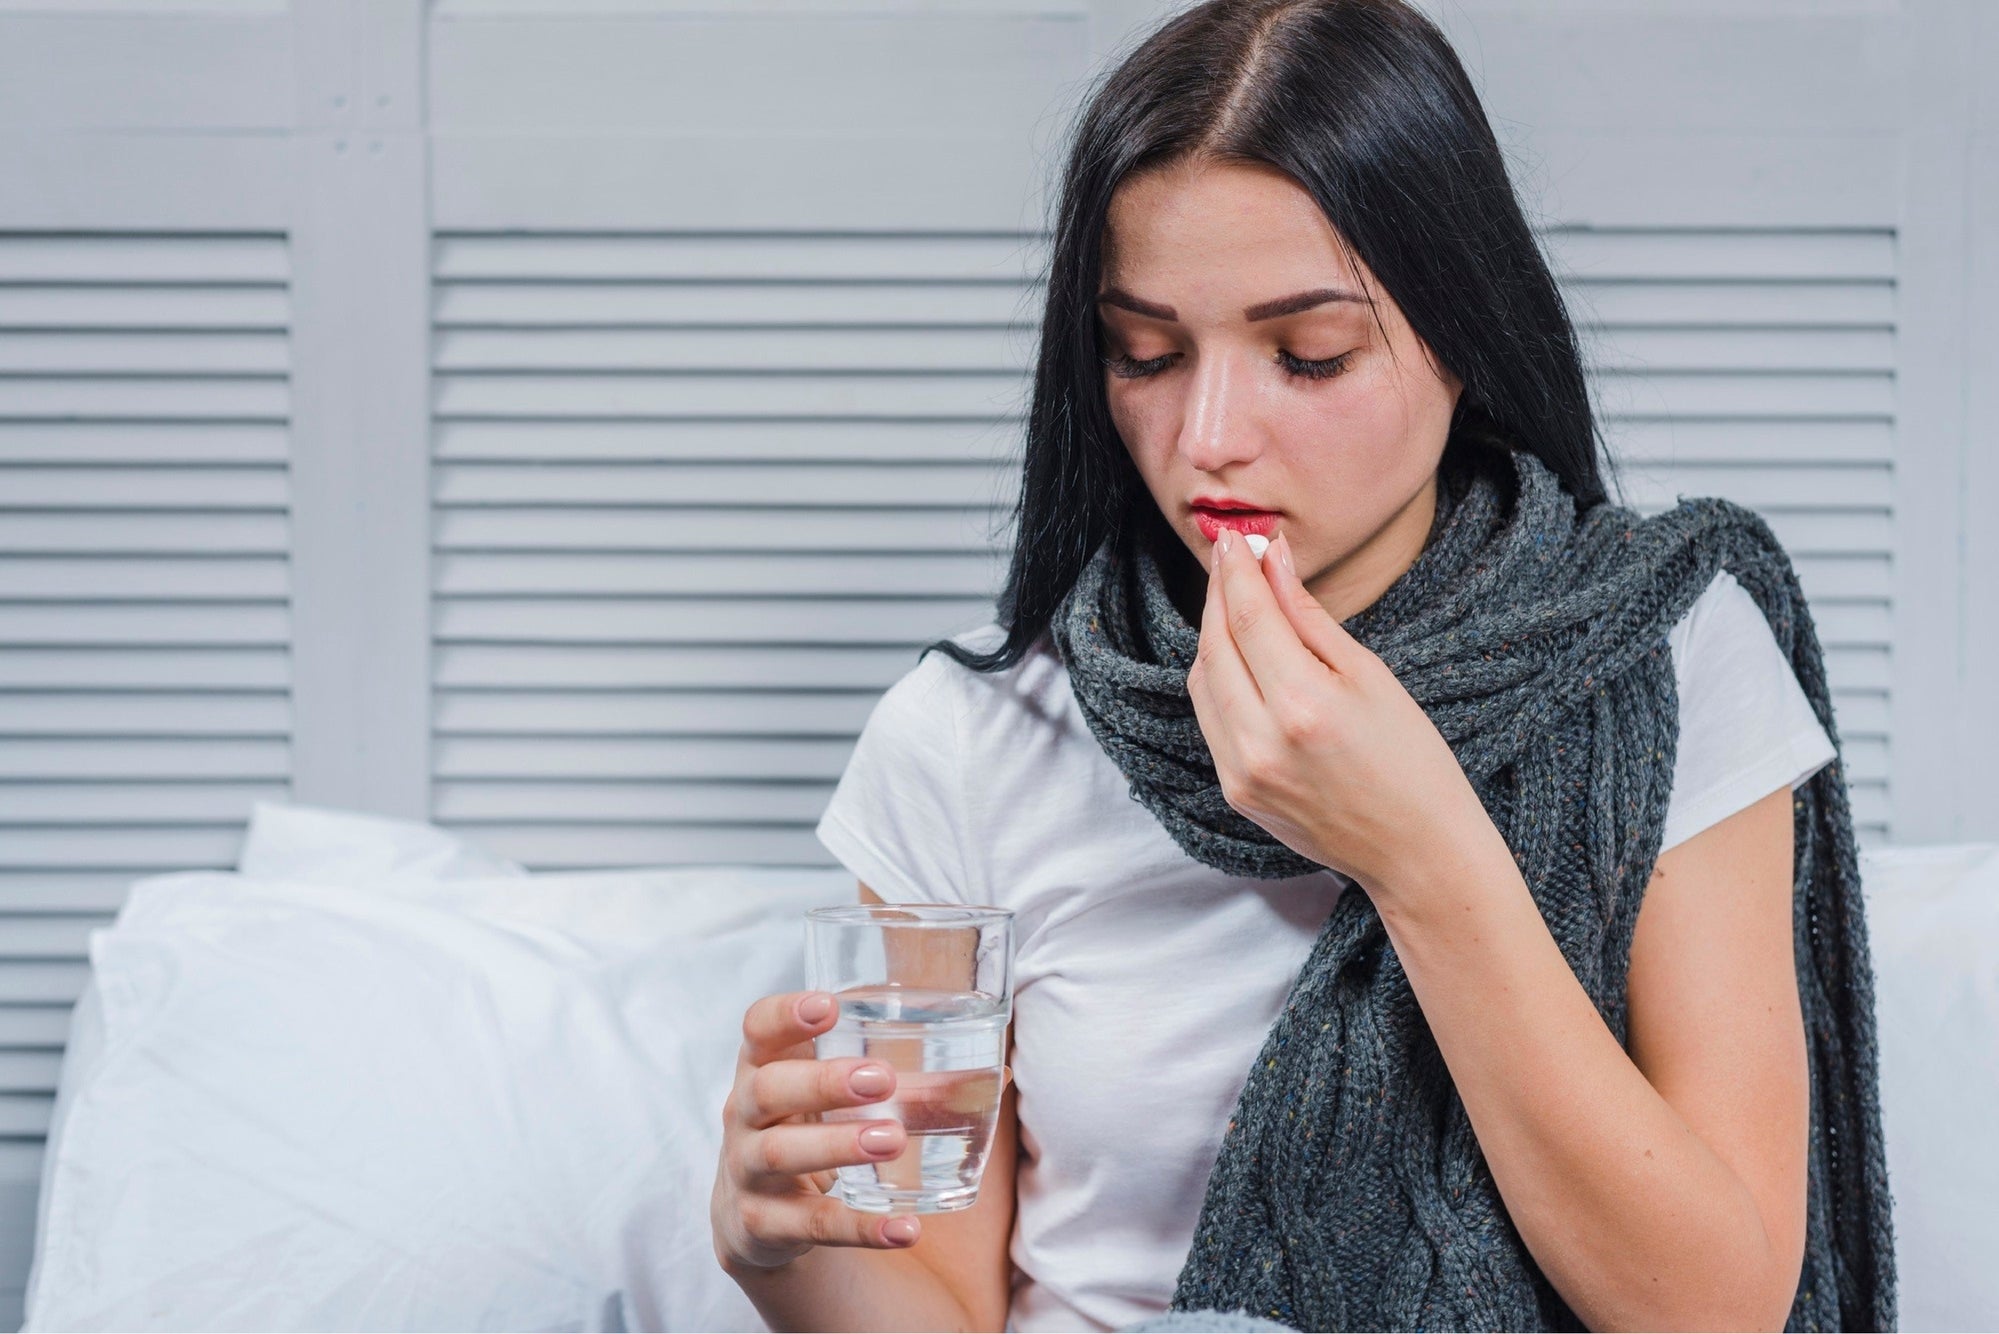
[(1660, 1189), (1663, 1188)]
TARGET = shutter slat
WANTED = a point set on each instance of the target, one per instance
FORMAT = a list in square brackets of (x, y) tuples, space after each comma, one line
[(51, 936), (176, 352), (142, 442), (473, 803), (1765, 489), (969, 574), (639, 302), (1792, 305), (143, 488), (1729, 393), (83, 259), (81, 758), (640, 757), (45, 890), (1861, 713), (85, 803), (693, 667), (701, 620), (1646, 351), (706, 394), (990, 351), (109, 714), (246, 398), (904, 258), (29, 1071), (1651, 442), (50, 306), (34, 1026), (820, 485), (249, 623), (26, 1114), (714, 528), (740, 441), (36, 983), (144, 669), (612, 713), (1666, 255), (558, 848), (112, 847), (88, 579), (1867, 575), (113, 533)]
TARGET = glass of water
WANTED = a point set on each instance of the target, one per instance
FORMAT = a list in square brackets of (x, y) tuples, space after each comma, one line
[(926, 989)]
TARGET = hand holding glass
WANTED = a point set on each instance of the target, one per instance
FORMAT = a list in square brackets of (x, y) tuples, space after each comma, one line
[(926, 989)]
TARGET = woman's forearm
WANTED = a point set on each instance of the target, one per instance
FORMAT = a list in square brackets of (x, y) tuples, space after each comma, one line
[(842, 1287), (1630, 1214)]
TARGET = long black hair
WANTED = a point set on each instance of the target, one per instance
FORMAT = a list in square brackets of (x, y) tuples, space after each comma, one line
[(1365, 105)]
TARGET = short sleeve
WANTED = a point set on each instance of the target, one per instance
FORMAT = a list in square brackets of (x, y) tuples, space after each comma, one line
[(896, 818), (1747, 727)]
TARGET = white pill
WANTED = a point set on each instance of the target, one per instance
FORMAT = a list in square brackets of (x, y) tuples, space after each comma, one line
[(1258, 544)]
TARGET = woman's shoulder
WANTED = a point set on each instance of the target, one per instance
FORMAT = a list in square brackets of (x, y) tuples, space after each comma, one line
[(1724, 623), (939, 688)]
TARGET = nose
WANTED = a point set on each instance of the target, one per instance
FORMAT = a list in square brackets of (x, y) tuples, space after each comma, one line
[(1215, 428)]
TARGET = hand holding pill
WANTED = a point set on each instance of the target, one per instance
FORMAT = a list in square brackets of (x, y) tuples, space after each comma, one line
[(1314, 738)]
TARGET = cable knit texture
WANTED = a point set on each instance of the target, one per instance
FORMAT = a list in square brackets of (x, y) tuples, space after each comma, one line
[(1350, 1191)]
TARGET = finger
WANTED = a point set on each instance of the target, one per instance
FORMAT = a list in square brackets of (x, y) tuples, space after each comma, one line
[(1316, 628), (1220, 687), (779, 1089), (826, 1221), (813, 1146), (1282, 667), (774, 1026)]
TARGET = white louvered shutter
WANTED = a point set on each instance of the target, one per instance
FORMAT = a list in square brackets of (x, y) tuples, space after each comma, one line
[(699, 500)]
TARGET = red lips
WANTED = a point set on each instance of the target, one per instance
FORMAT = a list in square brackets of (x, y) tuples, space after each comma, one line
[(1213, 513)]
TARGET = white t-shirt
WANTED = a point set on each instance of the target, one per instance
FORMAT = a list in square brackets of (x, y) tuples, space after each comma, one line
[(1146, 981)]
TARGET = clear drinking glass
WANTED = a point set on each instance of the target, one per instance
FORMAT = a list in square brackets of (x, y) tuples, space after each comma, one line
[(926, 989)]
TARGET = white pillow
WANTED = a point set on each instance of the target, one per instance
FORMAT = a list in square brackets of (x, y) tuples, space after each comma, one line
[(332, 847), (1933, 932), (399, 1103)]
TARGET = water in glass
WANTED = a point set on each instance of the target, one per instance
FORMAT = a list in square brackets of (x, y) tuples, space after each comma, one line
[(947, 1049)]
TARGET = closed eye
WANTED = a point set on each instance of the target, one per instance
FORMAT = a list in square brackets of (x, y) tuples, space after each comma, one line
[(1125, 367)]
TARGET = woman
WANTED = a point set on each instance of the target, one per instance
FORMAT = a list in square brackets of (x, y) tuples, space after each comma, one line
[(1410, 922)]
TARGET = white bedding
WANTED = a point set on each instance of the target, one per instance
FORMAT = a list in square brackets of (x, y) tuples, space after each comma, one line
[(388, 1083)]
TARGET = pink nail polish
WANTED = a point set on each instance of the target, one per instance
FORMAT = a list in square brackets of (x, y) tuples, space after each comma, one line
[(1222, 538)]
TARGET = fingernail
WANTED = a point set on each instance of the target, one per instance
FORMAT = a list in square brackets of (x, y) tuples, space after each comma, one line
[(901, 1231), (1222, 539), (870, 1081), (1284, 552), (879, 1139), (815, 1007)]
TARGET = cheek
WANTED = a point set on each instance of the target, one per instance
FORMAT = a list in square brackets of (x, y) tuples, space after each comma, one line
[(1142, 423)]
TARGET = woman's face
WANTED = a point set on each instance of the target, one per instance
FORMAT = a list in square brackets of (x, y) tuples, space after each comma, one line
[(1214, 398)]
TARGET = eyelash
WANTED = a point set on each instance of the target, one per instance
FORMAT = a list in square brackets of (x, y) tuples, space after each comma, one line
[(1126, 368)]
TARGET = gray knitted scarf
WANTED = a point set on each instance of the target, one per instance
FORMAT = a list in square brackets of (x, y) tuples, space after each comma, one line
[(1350, 1191)]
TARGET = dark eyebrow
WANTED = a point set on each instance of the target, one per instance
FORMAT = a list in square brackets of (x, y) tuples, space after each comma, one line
[(1266, 310)]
